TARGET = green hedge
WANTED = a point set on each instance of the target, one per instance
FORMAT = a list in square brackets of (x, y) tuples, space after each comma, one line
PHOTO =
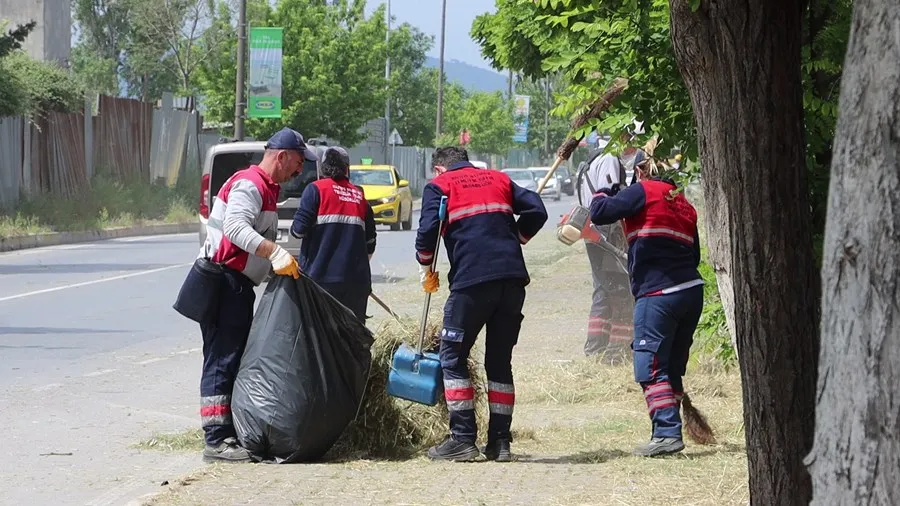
[(29, 87)]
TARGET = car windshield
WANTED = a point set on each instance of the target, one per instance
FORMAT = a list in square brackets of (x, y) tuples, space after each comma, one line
[(371, 177), (539, 173), (295, 186), (225, 164), (521, 175)]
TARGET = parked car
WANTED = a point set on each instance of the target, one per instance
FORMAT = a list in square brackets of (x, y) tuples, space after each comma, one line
[(223, 160), (554, 185), (387, 193), (567, 181), (522, 177)]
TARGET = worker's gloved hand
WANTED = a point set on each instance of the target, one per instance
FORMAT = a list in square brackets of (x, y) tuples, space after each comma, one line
[(429, 279), (283, 263)]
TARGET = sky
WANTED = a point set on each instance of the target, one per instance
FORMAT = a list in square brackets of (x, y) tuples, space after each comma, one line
[(426, 16)]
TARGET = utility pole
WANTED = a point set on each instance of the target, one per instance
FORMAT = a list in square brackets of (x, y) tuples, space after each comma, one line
[(387, 79), (547, 115), (440, 104), (510, 84), (239, 82)]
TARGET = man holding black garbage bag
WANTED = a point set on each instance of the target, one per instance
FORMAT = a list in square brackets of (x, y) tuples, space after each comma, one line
[(240, 241)]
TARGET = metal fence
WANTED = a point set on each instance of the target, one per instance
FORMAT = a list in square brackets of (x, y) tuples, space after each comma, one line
[(59, 153), (11, 137)]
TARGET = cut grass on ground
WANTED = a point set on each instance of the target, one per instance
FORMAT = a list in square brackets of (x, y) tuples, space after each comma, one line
[(576, 421), (107, 204)]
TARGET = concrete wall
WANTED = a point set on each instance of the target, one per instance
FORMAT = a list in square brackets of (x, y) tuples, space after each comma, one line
[(51, 39)]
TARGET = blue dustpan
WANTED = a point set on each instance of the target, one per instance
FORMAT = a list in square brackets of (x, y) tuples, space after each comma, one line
[(415, 375)]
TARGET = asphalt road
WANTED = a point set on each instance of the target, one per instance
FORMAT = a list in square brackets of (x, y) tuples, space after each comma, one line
[(93, 359)]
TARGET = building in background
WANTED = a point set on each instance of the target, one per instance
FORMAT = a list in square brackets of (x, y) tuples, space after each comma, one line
[(51, 39)]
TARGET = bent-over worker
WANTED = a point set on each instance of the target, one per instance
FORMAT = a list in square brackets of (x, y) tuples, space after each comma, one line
[(337, 227), (663, 256), (487, 288), (241, 230)]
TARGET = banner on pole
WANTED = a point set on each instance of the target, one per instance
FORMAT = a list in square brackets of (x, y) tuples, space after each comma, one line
[(520, 113), (264, 97)]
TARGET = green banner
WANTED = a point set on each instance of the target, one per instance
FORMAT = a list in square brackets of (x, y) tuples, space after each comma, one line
[(264, 97)]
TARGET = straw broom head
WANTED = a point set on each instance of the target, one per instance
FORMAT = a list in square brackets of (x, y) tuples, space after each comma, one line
[(600, 106)]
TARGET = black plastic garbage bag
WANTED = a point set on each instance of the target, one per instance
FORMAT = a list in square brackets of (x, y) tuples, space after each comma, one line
[(303, 373)]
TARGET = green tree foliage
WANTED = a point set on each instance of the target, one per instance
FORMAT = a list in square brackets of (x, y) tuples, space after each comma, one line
[(14, 38), (593, 42), (45, 86), (591, 46), (413, 87)]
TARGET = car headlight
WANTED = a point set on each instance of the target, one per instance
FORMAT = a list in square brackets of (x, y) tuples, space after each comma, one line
[(388, 200)]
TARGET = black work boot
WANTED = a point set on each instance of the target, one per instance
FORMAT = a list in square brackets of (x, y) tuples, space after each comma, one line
[(456, 451), (498, 450), (227, 451), (659, 446)]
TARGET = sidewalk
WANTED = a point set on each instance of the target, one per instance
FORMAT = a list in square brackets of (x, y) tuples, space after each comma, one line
[(575, 424)]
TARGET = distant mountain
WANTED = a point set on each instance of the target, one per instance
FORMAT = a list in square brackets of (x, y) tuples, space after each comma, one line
[(469, 76)]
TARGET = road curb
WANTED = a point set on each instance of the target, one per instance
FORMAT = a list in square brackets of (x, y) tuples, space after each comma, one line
[(58, 238)]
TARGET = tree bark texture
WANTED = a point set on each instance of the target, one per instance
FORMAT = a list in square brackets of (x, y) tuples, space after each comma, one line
[(741, 64), (856, 456)]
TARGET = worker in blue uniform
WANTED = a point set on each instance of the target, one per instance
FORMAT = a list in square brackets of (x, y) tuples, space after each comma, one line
[(337, 228), (487, 280), (663, 256)]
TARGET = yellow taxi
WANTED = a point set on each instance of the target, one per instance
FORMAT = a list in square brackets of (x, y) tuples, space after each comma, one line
[(387, 193)]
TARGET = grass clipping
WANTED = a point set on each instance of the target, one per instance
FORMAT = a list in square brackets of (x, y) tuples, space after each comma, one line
[(390, 428)]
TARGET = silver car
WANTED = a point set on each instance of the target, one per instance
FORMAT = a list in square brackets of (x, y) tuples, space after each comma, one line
[(554, 185), (522, 177), (223, 160)]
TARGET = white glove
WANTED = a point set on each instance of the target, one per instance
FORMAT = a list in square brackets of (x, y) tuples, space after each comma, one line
[(283, 263)]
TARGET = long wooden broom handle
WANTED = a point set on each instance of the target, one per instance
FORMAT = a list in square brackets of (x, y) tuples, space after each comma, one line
[(549, 174)]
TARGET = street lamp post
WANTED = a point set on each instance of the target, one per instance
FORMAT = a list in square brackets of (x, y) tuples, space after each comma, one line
[(387, 79), (239, 81), (440, 99)]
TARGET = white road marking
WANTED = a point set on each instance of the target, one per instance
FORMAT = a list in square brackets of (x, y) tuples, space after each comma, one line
[(150, 361), (99, 373), (93, 282), (49, 386), (185, 352), (81, 245)]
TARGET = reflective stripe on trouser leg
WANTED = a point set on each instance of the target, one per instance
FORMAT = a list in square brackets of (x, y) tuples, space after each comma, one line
[(621, 335), (662, 406), (501, 398), (460, 396), (215, 410), (597, 335)]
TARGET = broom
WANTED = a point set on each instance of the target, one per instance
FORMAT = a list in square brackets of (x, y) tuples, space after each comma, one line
[(695, 424), (594, 111)]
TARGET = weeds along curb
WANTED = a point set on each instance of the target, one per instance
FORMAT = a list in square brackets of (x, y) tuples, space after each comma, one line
[(58, 238)]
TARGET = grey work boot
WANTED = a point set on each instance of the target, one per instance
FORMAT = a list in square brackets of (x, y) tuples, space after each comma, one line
[(498, 450), (659, 446), (451, 449), (227, 451)]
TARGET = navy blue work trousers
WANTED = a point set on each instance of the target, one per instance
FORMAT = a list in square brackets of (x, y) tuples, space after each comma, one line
[(664, 328), (224, 341), (498, 306)]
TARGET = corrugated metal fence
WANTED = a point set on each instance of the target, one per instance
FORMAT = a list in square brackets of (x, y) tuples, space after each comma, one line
[(11, 138), (59, 153)]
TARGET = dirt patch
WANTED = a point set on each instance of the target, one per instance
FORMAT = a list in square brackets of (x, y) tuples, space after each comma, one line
[(575, 424)]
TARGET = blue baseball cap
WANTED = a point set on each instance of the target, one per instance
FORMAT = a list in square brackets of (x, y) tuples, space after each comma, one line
[(288, 138)]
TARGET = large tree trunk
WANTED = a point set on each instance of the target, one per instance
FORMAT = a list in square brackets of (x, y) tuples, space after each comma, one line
[(741, 64), (856, 457)]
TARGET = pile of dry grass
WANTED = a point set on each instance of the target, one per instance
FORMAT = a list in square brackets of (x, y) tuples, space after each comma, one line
[(387, 427)]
